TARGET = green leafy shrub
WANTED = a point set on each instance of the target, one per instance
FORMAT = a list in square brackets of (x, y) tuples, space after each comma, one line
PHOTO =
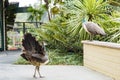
[(21, 61), (58, 58), (65, 31), (98, 11), (56, 34)]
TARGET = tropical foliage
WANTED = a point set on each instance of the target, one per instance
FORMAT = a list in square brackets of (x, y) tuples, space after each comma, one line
[(114, 2), (55, 33), (65, 32), (98, 11), (36, 13)]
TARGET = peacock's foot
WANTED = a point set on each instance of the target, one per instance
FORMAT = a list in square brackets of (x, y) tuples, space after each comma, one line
[(42, 76), (34, 76)]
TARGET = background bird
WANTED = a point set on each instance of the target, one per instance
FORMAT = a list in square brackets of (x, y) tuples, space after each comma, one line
[(34, 52), (93, 29)]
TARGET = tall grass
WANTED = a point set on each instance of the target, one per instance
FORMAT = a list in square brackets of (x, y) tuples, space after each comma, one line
[(59, 58)]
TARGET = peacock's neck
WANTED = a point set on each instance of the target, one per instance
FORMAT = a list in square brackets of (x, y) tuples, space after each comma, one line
[(84, 20)]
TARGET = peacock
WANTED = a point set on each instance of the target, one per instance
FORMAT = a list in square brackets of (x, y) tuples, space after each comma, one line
[(34, 52), (93, 29)]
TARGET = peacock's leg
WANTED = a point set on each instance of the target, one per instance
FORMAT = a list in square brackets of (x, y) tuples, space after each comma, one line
[(91, 37), (38, 69), (35, 72)]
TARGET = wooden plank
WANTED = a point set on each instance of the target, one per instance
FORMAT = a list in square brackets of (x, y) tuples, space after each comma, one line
[(102, 50), (102, 44), (100, 68), (103, 58), (104, 62)]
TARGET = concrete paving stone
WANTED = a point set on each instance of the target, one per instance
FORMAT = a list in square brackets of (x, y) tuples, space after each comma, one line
[(8, 71), (9, 57), (54, 72)]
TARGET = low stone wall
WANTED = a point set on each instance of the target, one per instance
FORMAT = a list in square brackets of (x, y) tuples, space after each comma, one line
[(103, 57)]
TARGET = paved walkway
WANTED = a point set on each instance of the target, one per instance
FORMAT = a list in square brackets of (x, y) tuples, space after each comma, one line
[(9, 57), (8, 71)]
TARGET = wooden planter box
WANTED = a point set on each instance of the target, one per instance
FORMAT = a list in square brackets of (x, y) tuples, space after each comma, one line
[(103, 57)]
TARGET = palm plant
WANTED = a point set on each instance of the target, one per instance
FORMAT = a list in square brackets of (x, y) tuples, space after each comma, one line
[(36, 13), (90, 9), (57, 5), (114, 27), (55, 33), (114, 2), (61, 33)]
